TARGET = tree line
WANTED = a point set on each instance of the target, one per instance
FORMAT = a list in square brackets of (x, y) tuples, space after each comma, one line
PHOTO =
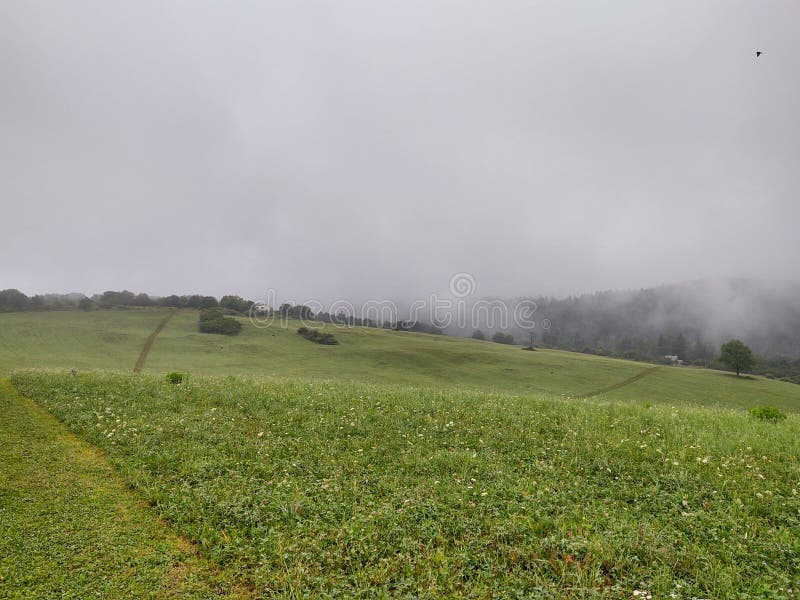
[(305, 313), (12, 300)]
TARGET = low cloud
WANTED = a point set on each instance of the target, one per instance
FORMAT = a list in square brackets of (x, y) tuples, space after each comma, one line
[(371, 150)]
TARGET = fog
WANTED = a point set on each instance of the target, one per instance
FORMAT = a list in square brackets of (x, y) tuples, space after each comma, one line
[(371, 149)]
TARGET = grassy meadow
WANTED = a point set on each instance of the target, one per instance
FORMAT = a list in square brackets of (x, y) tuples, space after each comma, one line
[(332, 489), (112, 340), (101, 339), (391, 465)]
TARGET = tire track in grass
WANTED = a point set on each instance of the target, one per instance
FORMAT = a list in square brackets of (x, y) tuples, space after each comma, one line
[(151, 339), (619, 385)]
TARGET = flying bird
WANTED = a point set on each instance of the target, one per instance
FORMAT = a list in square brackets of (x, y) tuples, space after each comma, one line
[(758, 53)]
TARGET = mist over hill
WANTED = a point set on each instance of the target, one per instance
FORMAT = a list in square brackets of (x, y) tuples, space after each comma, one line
[(687, 319)]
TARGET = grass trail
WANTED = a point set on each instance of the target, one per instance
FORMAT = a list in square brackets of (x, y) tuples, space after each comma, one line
[(151, 339), (619, 385), (69, 526)]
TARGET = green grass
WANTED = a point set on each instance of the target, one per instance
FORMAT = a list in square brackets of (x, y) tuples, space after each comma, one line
[(70, 527), (112, 340), (677, 385), (392, 464), (74, 339), (321, 488), (378, 355)]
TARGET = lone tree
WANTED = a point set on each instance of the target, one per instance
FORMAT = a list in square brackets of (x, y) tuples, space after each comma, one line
[(737, 356)]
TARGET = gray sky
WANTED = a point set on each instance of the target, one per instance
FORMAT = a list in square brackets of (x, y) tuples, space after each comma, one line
[(372, 148)]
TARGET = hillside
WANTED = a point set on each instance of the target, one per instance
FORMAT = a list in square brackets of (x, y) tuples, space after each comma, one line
[(112, 339), (403, 463)]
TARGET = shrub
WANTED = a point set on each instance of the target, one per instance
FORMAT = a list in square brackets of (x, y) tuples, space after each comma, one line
[(315, 335), (767, 413), (214, 320), (176, 378), (503, 338), (221, 325)]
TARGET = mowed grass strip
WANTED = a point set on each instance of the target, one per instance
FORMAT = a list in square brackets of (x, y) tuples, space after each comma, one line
[(71, 528), (331, 489)]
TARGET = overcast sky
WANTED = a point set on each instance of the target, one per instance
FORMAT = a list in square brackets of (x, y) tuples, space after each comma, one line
[(372, 149)]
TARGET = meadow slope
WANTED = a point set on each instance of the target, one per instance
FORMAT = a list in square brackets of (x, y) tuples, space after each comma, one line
[(393, 464), (330, 489), (113, 339)]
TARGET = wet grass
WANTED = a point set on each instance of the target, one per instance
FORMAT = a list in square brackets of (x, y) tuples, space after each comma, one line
[(300, 488), (70, 527)]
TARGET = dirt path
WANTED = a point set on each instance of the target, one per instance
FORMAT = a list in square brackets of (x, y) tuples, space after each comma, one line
[(151, 339), (619, 385)]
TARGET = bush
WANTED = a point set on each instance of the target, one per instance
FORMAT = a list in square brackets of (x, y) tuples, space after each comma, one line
[(176, 378), (315, 335), (503, 338), (767, 413), (214, 320)]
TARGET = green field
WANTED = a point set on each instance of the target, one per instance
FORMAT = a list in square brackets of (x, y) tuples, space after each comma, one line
[(392, 465), (112, 340), (71, 527), (73, 339)]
